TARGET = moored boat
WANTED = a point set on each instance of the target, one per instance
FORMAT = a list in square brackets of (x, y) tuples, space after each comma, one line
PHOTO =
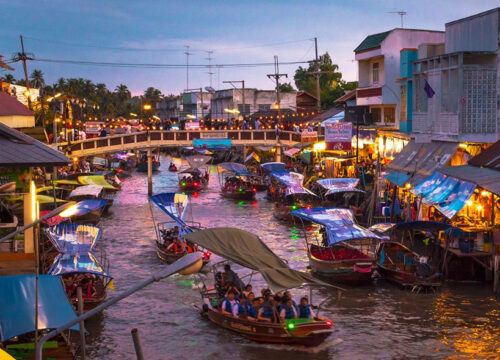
[(234, 179), (246, 249), (340, 250)]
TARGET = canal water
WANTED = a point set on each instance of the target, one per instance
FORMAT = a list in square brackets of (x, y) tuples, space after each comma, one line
[(374, 322)]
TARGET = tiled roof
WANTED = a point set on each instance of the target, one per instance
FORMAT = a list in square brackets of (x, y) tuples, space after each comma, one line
[(372, 41), (19, 149), (10, 106)]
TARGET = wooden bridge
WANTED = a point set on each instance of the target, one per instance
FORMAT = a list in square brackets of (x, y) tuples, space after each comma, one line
[(172, 138)]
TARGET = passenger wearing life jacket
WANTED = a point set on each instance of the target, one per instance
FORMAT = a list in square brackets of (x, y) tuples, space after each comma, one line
[(305, 309), (288, 311), (251, 309), (176, 246), (229, 305), (266, 311)]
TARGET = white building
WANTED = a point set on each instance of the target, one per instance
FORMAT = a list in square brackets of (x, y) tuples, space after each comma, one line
[(465, 78), (378, 59)]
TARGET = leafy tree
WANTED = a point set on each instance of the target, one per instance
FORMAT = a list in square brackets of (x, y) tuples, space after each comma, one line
[(9, 78), (37, 80), (331, 84), (286, 87)]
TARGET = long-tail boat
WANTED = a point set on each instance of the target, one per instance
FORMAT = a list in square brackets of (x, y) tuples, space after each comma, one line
[(196, 176), (247, 250), (235, 181), (340, 250), (174, 205)]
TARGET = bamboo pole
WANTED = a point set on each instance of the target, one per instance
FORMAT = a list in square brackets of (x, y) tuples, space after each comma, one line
[(137, 344)]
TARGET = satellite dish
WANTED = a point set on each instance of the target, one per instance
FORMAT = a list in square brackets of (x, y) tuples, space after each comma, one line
[(210, 89)]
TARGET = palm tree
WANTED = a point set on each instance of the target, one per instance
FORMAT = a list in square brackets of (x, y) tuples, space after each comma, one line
[(60, 85), (37, 80), (9, 78), (123, 92), (152, 96)]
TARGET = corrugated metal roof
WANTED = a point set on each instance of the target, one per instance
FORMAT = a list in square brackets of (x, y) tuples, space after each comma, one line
[(489, 158), (18, 149), (347, 96), (10, 106), (372, 41), (488, 179)]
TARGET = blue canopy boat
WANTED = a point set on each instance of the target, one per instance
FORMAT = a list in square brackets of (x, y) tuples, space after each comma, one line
[(76, 263), (170, 243), (86, 211), (340, 192), (17, 315), (235, 181), (340, 250)]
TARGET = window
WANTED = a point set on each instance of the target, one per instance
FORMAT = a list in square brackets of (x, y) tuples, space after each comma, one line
[(247, 109), (375, 73), (376, 115), (264, 107), (389, 115)]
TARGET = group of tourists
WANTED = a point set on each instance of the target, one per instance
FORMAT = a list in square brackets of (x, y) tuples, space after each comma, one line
[(240, 302), (174, 244), (86, 281)]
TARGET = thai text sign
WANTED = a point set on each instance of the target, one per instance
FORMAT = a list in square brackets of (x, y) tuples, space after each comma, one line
[(308, 136), (213, 135), (338, 136)]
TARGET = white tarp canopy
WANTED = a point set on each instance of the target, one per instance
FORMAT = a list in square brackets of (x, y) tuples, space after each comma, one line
[(335, 118)]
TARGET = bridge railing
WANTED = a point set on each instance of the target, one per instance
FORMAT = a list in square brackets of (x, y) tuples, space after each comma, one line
[(174, 137)]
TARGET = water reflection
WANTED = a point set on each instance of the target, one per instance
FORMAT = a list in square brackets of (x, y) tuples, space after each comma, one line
[(378, 321)]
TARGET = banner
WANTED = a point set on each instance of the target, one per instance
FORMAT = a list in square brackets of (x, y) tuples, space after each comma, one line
[(338, 136), (213, 135)]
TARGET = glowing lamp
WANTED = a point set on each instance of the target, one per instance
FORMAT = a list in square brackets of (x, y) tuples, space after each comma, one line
[(69, 211), (469, 203), (479, 207), (75, 159), (240, 190), (291, 326), (195, 184), (294, 207), (484, 193), (329, 323), (183, 183)]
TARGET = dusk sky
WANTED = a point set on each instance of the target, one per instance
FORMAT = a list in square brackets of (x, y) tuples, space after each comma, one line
[(154, 31)]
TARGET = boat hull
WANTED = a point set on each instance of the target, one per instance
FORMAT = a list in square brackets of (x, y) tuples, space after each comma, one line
[(305, 334), (239, 195), (170, 258), (144, 168)]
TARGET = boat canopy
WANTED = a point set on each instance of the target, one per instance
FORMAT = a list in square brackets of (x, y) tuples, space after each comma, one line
[(292, 181), (446, 193), (197, 161), (292, 152), (173, 204), (48, 188), (98, 180), (42, 199), (252, 156), (87, 190), (83, 262), (274, 166), (67, 182), (422, 225), (17, 305), (248, 250), (190, 171), (235, 168), (83, 207), (338, 185), (339, 223), (72, 238), (382, 228)]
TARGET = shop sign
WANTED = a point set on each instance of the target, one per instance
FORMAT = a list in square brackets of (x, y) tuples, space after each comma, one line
[(213, 135), (308, 136), (338, 136)]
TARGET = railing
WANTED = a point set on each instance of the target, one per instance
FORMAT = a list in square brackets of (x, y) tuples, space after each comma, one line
[(177, 138)]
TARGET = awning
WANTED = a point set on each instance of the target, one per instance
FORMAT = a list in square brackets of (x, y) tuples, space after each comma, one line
[(172, 204), (252, 156), (17, 305), (417, 161), (72, 238), (337, 185), (335, 118), (98, 180), (339, 223), (291, 152), (485, 178), (67, 182), (274, 166), (236, 168), (87, 190), (83, 207), (292, 181), (447, 194), (78, 263), (246, 249)]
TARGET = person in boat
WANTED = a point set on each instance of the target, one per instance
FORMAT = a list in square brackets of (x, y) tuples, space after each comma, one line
[(88, 287), (267, 311), (69, 285), (288, 311), (305, 309), (251, 309), (247, 291), (230, 277), (232, 288), (230, 305), (190, 247), (176, 246), (288, 295)]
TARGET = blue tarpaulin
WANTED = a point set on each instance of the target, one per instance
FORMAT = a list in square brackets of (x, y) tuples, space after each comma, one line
[(72, 238), (398, 178), (236, 168), (292, 181), (447, 194), (337, 185), (17, 305), (83, 262), (339, 223), (83, 207), (212, 144), (173, 204), (273, 167)]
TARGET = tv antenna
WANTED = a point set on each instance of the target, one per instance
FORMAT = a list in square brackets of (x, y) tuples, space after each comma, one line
[(400, 13)]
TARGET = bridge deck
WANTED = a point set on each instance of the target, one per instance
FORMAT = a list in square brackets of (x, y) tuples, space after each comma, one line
[(169, 138)]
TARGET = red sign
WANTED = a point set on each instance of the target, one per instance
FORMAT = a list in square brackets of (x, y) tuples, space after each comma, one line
[(338, 146)]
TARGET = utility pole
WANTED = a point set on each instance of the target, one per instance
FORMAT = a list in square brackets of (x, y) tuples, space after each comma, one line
[(242, 82), (210, 58), (23, 57), (317, 75), (277, 77), (187, 66)]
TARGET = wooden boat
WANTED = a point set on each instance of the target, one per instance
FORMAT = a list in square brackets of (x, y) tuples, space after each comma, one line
[(91, 192), (341, 251), (234, 179), (142, 165), (170, 257), (340, 192), (304, 332), (172, 167)]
